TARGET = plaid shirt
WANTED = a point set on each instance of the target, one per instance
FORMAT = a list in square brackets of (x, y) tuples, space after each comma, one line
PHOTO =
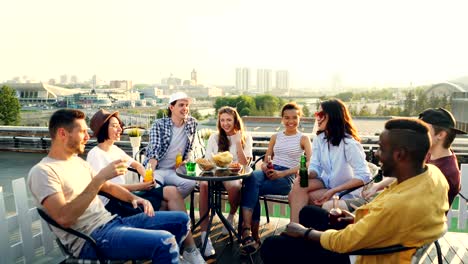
[(161, 135)]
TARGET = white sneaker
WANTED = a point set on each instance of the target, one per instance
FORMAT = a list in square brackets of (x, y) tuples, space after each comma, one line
[(193, 257), (209, 250), (183, 261), (233, 223)]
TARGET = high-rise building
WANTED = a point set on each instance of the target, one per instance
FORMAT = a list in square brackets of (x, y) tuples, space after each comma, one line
[(264, 80), (242, 79), (64, 79), (74, 79), (282, 80), (193, 78)]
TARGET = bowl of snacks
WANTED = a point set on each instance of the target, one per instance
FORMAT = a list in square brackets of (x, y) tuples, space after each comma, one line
[(222, 159), (205, 164), (235, 167)]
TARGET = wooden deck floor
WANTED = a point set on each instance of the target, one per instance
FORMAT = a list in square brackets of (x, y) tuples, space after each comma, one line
[(454, 245)]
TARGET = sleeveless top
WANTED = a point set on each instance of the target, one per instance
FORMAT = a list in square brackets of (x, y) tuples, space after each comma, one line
[(287, 150)]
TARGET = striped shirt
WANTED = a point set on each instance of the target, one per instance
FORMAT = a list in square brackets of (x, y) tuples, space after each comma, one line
[(287, 150)]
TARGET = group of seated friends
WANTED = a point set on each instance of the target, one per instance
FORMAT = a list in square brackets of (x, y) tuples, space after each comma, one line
[(410, 210)]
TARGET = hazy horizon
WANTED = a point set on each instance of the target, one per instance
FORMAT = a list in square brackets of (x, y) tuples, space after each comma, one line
[(351, 43)]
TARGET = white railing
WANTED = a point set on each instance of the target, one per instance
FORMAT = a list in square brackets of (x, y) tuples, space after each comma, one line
[(35, 237)]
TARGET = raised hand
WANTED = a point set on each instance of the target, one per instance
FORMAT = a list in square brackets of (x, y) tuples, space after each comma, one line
[(115, 168)]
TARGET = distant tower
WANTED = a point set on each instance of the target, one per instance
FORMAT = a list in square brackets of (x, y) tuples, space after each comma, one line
[(242, 79), (282, 80), (64, 79), (74, 79), (193, 77), (264, 80), (93, 82), (337, 82)]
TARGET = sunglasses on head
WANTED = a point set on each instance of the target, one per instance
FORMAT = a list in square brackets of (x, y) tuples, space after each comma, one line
[(320, 114)]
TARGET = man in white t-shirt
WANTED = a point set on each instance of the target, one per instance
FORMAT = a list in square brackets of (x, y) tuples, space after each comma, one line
[(66, 187)]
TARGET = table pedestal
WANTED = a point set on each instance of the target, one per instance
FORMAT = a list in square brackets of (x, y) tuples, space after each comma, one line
[(215, 190)]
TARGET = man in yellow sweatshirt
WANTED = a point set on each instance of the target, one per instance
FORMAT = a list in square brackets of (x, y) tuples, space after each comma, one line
[(411, 212)]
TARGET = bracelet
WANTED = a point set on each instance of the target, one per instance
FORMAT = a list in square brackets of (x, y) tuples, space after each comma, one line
[(307, 232)]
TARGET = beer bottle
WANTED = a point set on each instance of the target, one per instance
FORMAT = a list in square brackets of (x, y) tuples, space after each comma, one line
[(269, 163), (335, 212), (304, 176)]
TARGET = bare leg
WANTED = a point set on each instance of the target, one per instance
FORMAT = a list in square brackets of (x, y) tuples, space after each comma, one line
[(203, 204), (246, 221), (255, 229), (298, 197), (329, 205), (233, 189)]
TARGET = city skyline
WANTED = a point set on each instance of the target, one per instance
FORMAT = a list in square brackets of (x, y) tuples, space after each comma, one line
[(360, 43)]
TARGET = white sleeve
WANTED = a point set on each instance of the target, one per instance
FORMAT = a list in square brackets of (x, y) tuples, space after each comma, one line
[(212, 146)]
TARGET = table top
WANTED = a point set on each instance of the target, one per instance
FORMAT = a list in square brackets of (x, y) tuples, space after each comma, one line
[(217, 174)]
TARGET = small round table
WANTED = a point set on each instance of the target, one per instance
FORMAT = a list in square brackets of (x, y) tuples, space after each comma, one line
[(215, 190)]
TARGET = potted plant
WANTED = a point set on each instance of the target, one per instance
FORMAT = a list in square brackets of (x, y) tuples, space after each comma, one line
[(135, 137), (205, 134)]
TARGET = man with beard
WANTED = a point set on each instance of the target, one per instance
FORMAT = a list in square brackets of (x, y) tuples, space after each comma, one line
[(66, 187), (410, 212)]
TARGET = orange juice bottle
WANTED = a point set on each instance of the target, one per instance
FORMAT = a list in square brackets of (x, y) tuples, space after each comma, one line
[(148, 173), (178, 159)]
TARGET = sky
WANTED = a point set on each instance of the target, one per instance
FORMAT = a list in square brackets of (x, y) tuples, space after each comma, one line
[(361, 43)]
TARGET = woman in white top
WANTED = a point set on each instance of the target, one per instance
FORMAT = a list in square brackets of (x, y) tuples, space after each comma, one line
[(107, 128), (230, 137), (285, 149), (338, 162)]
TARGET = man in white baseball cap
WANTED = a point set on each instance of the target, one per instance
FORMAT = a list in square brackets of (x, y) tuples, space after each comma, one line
[(179, 96), (171, 138), (170, 142)]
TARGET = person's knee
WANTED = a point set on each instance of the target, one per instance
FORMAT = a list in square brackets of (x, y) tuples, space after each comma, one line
[(327, 205), (171, 193)]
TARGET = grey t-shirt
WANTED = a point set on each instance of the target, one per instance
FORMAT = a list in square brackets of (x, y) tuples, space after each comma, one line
[(178, 142), (69, 177)]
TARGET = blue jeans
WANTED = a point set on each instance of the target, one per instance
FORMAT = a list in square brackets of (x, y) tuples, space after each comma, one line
[(258, 184), (141, 237)]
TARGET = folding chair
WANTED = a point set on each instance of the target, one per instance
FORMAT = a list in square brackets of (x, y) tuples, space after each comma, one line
[(69, 256)]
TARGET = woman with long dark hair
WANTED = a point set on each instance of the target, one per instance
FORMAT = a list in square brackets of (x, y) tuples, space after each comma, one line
[(338, 160)]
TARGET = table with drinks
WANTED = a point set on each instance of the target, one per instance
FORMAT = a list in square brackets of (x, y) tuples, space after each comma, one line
[(214, 178)]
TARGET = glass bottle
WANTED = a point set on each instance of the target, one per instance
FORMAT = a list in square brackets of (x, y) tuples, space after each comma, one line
[(335, 212), (304, 177), (269, 163)]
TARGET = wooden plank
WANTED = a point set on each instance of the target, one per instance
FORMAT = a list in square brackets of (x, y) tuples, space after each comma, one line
[(24, 219)]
